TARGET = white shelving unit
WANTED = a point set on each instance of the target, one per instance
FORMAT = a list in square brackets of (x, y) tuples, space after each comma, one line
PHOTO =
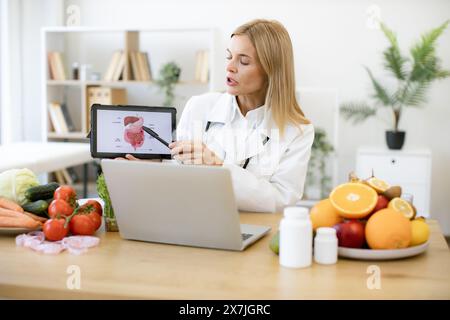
[(95, 46), (410, 169)]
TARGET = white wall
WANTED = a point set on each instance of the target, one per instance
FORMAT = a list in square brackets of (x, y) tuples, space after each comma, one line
[(331, 43), (21, 65)]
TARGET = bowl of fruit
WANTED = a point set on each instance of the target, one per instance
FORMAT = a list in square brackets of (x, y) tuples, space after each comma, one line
[(372, 220)]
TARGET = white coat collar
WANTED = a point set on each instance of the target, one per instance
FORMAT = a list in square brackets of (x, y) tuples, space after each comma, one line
[(224, 111), (221, 111)]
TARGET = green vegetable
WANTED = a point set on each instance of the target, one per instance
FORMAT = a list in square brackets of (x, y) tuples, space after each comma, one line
[(14, 183), (38, 207), (275, 243), (108, 211), (41, 192)]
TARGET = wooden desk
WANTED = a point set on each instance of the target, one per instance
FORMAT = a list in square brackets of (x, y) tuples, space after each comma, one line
[(129, 269)]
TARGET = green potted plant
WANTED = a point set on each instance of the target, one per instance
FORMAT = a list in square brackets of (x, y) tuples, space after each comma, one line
[(317, 176), (414, 76), (168, 76)]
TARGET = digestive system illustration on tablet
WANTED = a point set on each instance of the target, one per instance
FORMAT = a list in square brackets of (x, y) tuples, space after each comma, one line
[(133, 133)]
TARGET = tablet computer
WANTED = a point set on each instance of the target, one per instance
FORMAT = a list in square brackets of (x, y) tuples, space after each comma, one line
[(144, 132)]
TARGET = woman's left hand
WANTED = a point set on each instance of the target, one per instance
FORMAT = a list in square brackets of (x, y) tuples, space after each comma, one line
[(194, 152)]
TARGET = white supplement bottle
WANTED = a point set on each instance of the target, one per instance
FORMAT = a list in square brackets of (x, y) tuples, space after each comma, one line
[(325, 246), (296, 238)]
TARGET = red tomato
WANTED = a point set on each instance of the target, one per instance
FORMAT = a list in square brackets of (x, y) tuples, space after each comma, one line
[(54, 229), (96, 218), (59, 207), (97, 207), (93, 210), (90, 211), (66, 193), (81, 224)]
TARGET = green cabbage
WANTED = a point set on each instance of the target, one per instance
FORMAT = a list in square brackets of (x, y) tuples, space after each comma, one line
[(14, 183)]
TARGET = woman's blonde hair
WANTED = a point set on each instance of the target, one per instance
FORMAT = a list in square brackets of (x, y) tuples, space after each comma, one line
[(274, 49)]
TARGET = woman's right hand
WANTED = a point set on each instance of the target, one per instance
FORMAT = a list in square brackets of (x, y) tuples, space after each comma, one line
[(133, 158)]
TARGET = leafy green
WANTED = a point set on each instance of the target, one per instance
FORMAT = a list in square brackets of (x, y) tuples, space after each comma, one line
[(103, 193), (14, 183)]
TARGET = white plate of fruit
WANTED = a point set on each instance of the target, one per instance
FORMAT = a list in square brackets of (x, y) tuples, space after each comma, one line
[(372, 221)]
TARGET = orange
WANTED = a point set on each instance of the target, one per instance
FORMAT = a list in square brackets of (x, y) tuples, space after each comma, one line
[(379, 185), (353, 200), (323, 214), (388, 229), (403, 206)]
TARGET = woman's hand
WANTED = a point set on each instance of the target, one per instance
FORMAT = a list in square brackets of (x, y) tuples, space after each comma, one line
[(194, 152), (133, 158)]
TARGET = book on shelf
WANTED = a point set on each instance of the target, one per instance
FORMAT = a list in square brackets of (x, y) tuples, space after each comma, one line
[(63, 177), (67, 177), (120, 67), (59, 177), (67, 117), (139, 63), (56, 65), (113, 64), (143, 66), (202, 66), (57, 118), (134, 66), (147, 69)]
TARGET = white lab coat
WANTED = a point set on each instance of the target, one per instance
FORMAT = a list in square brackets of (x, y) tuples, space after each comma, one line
[(276, 172)]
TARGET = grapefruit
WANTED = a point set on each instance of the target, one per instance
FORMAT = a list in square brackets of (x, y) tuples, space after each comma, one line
[(353, 200), (388, 229)]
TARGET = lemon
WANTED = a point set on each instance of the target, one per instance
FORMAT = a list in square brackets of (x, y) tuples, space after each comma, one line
[(420, 232), (403, 206), (379, 185)]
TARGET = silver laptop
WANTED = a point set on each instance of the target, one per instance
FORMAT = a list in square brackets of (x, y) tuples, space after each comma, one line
[(177, 204)]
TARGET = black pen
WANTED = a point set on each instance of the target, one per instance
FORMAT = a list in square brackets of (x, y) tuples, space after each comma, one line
[(155, 135)]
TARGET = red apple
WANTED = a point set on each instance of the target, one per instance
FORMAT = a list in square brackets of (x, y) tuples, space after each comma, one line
[(381, 203), (350, 234)]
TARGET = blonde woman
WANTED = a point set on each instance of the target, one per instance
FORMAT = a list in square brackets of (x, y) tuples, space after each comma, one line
[(256, 129)]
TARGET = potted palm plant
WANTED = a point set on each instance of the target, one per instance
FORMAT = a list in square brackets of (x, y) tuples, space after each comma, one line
[(414, 76)]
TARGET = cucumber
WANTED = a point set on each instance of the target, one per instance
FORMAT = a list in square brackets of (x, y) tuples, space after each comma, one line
[(41, 192), (38, 207)]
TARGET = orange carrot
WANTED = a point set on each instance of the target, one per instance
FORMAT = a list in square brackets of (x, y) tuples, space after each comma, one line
[(23, 222), (35, 217), (9, 204), (10, 213)]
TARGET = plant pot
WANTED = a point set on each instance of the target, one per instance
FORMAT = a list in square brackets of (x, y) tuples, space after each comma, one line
[(395, 139), (110, 219), (111, 225)]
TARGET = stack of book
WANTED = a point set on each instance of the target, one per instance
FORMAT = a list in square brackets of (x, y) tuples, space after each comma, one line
[(60, 118), (138, 62), (56, 66), (202, 66), (66, 176), (140, 66)]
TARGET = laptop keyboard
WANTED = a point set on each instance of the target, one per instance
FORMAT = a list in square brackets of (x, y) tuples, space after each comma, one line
[(245, 236)]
